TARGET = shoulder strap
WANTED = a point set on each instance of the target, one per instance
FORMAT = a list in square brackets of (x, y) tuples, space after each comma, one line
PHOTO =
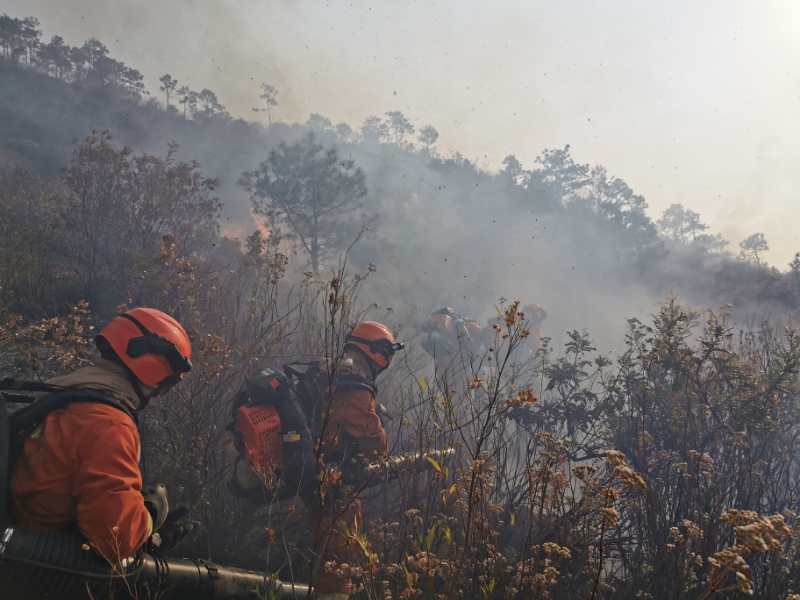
[(305, 377), (352, 382), (26, 419), (20, 385)]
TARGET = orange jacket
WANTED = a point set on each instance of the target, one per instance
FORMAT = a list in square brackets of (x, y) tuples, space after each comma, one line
[(81, 467), (355, 411)]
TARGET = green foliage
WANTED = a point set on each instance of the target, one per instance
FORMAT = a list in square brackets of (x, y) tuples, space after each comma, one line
[(56, 94), (168, 86), (681, 224), (269, 96), (428, 136), (314, 193), (19, 38), (753, 247)]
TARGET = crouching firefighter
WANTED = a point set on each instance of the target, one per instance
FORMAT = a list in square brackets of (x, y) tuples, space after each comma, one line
[(72, 455), (449, 334), (282, 415)]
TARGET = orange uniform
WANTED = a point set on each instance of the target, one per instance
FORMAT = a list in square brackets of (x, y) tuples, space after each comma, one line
[(81, 468), (353, 412)]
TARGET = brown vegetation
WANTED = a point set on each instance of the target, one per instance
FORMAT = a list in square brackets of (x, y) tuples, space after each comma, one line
[(669, 472)]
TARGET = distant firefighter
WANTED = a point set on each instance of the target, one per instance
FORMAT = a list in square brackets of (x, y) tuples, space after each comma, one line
[(448, 333), (454, 342)]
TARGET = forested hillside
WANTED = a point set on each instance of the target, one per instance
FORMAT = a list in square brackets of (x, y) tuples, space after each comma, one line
[(638, 443), (441, 229)]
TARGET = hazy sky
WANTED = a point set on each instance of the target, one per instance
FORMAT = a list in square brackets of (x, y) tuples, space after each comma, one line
[(690, 102)]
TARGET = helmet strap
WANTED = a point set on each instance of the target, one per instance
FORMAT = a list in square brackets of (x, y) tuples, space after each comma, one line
[(374, 369)]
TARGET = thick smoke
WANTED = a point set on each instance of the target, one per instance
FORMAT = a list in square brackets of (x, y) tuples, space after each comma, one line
[(447, 232), (456, 237)]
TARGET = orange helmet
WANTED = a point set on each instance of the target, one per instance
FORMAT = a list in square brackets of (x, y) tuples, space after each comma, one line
[(376, 341), (153, 345), (441, 322)]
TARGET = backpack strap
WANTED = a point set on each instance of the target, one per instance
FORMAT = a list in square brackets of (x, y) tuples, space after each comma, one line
[(305, 377), (57, 397), (25, 420), (351, 382), (20, 385)]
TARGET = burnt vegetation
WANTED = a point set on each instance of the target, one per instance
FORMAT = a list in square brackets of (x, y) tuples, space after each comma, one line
[(665, 470)]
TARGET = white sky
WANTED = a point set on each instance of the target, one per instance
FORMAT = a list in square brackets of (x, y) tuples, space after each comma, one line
[(694, 102)]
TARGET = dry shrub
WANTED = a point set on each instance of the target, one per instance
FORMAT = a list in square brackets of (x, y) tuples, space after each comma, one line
[(669, 472)]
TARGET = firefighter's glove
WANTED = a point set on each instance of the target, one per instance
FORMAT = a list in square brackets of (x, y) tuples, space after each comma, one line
[(155, 499), (173, 531)]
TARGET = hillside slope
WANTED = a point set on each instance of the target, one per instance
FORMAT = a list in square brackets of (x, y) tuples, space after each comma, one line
[(572, 238)]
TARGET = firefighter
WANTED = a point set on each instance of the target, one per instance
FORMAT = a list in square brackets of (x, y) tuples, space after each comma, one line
[(269, 432), (453, 341), (449, 334), (353, 434), (80, 467), (440, 332), (354, 418)]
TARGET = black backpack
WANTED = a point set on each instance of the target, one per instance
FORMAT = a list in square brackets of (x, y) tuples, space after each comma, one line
[(298, 394), (281, 391), (16, 426), (310, 385)]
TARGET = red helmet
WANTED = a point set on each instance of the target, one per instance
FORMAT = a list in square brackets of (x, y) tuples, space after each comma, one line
[(153, 345), (376, 341)]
